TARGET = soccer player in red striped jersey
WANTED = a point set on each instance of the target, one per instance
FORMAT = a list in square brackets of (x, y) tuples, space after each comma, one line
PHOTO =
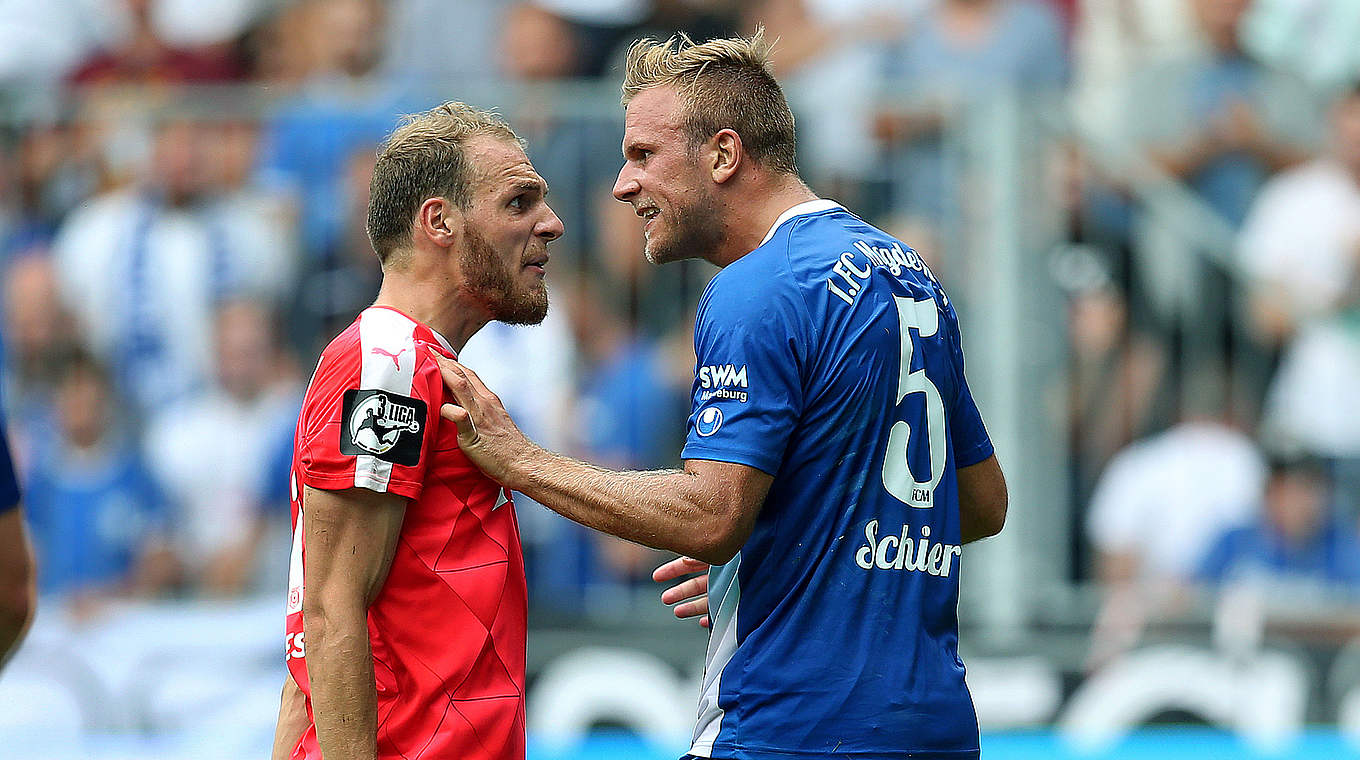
[(406, 601)]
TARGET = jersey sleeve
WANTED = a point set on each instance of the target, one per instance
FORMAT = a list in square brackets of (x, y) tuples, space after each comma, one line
[(750, 338), (370, 416), (966, 429)]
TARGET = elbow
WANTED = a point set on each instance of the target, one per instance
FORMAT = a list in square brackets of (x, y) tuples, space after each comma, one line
[(322, 616), (16, 609), (718, 543), (993, 518)]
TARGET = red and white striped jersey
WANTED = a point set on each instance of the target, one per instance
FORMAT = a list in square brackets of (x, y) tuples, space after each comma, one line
[(448, 627)]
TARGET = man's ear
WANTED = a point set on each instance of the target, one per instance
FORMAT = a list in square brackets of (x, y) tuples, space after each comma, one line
[(439, 221), (727, 155)]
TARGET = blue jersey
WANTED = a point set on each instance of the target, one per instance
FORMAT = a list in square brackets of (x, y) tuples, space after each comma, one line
[(829, 357), (91, 516)]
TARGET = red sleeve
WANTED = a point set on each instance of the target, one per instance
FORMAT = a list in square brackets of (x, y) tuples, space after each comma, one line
[(371, 413)]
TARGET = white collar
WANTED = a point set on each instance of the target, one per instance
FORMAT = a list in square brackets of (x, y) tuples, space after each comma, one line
[(443, 342), (814, 206)]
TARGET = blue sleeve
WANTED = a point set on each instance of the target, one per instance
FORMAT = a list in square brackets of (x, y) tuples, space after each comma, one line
[(966, 429), (9, 482), (749, 339)]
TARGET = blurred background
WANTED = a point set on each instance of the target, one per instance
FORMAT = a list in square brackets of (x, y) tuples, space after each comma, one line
[(1147, 211)]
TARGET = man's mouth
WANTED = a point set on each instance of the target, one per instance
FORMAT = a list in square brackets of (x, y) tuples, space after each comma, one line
[(537, 264), (649, 215)]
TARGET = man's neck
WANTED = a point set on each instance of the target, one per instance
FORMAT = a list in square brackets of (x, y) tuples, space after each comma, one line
[(433, 303), (757, 212)]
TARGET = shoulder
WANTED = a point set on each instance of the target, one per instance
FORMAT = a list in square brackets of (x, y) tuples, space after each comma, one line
[(750, 285)]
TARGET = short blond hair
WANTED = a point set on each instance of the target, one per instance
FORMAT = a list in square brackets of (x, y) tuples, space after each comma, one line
[(725, 84), (425, 158)]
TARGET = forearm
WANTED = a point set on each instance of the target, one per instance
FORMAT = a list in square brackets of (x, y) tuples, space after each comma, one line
[(663, 509), (983, 500), (14, 622), (17, 583), (344, 696), (293, 720)]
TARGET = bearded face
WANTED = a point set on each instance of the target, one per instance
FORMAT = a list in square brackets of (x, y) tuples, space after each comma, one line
[(687, 229), (513, 293)]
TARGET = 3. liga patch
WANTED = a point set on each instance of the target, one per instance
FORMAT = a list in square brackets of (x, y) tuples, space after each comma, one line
[(383, 425)]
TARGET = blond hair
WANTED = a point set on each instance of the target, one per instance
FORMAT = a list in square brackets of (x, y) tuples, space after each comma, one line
[(725, 84), (425, 158)]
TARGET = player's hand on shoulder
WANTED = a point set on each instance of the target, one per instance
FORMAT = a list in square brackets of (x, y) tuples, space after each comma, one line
[(691, 593), (486, 434)]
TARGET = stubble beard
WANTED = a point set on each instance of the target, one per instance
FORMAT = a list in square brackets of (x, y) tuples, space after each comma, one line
[(696, 231), (493, 284)]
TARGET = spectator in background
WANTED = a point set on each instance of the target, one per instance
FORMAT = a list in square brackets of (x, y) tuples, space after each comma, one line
[(345, 279), (1112, 42), (141, 55), (416, 49), (99, 524), (1158, 508), (1314, 398), (40, 42), (1116, 376), (40, 338), (144, 268), (538, 51), (211, 454), (52, 173), (1315, 39), (701, 19), (831, 54), (1220, 121), (338, 108), (1294, 547), (538, 45), (1300, 246), (630, 412), (954, 53), (599, 28)]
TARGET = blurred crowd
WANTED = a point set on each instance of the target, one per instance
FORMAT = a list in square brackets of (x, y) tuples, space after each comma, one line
[(183, 189)]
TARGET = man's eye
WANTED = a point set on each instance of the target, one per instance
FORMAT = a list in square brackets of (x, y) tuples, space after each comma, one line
[(517, 202)]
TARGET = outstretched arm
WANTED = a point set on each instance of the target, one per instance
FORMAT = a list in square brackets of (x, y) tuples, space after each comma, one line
[(705, 511)]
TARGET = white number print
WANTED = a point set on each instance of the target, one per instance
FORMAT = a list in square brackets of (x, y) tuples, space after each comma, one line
[(923, 317)]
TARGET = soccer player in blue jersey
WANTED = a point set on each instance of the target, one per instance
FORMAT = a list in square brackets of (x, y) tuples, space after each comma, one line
[(835, 462)]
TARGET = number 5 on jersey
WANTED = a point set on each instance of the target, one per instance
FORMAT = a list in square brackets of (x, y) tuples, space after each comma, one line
[(898, 479)]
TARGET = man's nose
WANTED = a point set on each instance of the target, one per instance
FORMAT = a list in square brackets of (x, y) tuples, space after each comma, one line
[(552, 227), (626, 186)]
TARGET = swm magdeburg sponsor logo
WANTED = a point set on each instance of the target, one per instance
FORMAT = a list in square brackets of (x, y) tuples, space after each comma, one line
[(723, 381)]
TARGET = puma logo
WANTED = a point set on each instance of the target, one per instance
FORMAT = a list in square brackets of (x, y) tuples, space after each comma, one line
[(390, 355)]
